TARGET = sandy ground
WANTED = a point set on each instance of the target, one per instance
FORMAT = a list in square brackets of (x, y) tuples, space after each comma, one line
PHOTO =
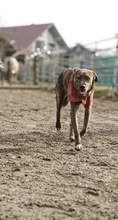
[(41, 175)]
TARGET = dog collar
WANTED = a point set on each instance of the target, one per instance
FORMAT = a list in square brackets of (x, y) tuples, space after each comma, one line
[(74, 96)]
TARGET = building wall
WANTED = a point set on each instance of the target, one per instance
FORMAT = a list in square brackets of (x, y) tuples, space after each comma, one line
[(48, 40)]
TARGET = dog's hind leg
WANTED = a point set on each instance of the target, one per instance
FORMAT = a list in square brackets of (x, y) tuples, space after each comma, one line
[(61, 100)]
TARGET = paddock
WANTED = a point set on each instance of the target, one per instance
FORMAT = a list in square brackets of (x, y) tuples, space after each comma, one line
[(42, 176)]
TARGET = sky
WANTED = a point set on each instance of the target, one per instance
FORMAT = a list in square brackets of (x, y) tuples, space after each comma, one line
[(78, 21)]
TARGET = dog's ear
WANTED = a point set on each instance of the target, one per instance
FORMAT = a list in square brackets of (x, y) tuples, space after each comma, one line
[(95, 76)]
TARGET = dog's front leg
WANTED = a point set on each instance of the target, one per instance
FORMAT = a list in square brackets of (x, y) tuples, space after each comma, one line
[(74, 126), (87, 115)]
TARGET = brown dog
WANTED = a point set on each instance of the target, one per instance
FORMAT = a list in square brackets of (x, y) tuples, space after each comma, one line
[(76, 86)]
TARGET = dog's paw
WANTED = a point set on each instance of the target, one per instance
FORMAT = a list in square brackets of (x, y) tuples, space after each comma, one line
[(78, 147), (58, 126), (58, 129), (72, 139), (82, 132)]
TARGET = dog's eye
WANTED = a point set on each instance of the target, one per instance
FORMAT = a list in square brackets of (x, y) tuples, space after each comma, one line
[(87, 78), (79, 77)]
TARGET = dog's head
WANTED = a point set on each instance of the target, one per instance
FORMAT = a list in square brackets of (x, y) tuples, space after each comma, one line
[(83, 80)]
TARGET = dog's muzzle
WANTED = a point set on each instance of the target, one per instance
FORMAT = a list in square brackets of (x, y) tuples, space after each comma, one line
[(82, 88)]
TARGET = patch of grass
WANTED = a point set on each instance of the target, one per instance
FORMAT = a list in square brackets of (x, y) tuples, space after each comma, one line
[(101, 92)]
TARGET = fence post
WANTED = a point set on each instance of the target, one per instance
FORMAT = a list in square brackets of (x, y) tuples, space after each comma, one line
[(35, 70), (116, 65)]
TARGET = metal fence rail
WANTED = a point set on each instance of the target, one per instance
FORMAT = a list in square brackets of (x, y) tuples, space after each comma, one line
[(46, 69), (49, 72)]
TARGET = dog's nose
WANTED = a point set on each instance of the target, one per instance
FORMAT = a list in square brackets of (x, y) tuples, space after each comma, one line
[(82, 87)]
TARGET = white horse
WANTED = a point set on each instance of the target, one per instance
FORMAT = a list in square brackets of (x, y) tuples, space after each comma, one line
[(11, 69), (1, 65)]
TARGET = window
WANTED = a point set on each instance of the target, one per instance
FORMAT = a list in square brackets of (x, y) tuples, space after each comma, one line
[(51, 46), (40, 44)]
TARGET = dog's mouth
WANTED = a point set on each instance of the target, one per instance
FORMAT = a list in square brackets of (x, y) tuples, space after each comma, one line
[(83, 93), (82, 90)]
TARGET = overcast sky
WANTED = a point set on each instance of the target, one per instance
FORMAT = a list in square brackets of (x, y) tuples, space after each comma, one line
[(78, 21)]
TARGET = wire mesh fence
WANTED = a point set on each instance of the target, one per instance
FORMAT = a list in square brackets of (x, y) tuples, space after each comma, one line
[(101, 59), (48, 72)]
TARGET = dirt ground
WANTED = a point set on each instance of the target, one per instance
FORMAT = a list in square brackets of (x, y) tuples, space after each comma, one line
[(42, 177)]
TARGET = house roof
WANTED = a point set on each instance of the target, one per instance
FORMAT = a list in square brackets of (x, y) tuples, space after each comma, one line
[(78, 49), (25, 35)]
